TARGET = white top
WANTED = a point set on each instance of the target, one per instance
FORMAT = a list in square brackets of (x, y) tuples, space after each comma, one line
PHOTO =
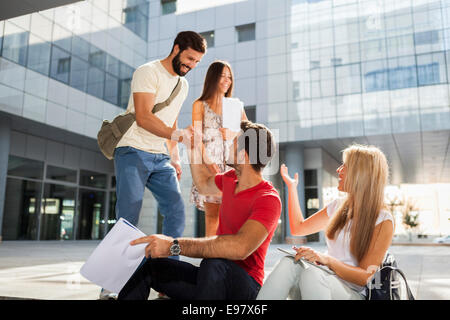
[(152, 77), (339, 248)]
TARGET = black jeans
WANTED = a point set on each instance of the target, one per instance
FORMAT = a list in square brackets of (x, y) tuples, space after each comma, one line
[(215, 279)]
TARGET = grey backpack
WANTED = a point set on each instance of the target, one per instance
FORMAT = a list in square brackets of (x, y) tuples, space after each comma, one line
[(112, 131)]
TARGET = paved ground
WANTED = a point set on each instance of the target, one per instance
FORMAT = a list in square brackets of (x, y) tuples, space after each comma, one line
[(50, 269)]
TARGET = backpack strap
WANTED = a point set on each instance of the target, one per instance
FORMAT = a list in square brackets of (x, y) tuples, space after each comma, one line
[(159, 106), (408, 290)]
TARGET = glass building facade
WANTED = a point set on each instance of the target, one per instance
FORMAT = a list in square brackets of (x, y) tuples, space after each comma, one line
[(68, 58), (361, 68)]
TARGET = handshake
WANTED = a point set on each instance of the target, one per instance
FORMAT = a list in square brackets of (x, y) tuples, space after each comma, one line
[(191, 136)]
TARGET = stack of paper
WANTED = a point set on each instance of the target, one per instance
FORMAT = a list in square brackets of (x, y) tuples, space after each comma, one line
[(114, 260)]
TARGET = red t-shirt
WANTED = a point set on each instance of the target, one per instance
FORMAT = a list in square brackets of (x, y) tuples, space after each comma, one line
[(261, 203)]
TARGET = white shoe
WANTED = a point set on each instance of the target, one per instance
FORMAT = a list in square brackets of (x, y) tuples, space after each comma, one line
[(107, 295)]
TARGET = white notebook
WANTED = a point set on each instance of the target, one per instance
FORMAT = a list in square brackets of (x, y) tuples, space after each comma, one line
[(232, 113), (114, 260)]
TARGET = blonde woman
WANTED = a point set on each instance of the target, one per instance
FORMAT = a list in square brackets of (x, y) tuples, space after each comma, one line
[(358, 233)]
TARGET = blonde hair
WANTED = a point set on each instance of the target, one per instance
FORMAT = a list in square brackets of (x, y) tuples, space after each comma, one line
[(367, 176)]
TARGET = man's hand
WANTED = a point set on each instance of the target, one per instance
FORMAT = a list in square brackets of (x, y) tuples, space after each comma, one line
[(177, 166), (158, 245)]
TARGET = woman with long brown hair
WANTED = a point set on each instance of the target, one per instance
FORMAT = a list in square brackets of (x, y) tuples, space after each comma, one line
[(358, 233), (215, 140)]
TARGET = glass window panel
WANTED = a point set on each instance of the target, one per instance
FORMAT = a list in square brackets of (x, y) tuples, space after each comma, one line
[(26, 168), (348, 79), (60, 65), (126, 72), (349, 105), (375, 75), (328, 108), (404, 99), (168, 6), (135, 18), (400, 46), (406, 121), (124, 92), (57, 212), (92, 179), (96, 82), (446, 16), (246, 32), (328, 87), (91, 221), (111, 89), (373, 49), (326, 36), (97, 58), (39, 55), (142, 27), (340, 34), (402, 73), (431, 69), (427, 19), (299, 110), (62, 37), (310, 178), (2, 27), (447, 54), (209, 37), (399, 22), (250, 112), (376, 103), (21, 209), (80, 47), (41, 26), (112, 65), (61, 174), (15, 43), (347, 53), (428, 41), (434, 97), (350, 126), (78, 74)]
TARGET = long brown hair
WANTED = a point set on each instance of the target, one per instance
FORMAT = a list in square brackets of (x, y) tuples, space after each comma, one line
[(212, 79), (367, 176)]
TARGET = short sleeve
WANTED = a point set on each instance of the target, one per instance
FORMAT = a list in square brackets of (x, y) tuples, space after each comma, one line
[(383, 216), (332, 207), (267, 210), (144, 80), (218, 179)]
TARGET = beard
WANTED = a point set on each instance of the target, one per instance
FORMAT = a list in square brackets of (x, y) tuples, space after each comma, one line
[(176, 65)]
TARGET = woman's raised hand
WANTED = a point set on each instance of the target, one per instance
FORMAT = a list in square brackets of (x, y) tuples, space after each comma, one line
[(287, 179)]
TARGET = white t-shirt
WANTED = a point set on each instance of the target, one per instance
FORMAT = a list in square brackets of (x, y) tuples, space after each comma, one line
[(339, 248), (152, 77)]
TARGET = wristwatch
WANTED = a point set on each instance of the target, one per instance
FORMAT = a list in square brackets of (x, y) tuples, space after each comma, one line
[(175, 249)]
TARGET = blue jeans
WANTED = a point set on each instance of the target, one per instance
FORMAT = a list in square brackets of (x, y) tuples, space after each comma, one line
[(214, 279), (135, 170)]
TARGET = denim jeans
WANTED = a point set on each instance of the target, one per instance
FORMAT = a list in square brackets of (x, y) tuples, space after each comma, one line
[(135, 170), (214, 279), (299, 281)]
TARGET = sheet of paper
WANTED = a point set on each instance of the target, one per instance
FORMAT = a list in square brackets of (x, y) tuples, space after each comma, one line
[(232, 113), (114, 260)]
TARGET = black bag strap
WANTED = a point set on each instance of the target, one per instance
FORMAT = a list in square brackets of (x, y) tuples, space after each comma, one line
[(159, 106)]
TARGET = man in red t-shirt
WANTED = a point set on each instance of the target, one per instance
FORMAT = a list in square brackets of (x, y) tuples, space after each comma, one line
[(233, 264)]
